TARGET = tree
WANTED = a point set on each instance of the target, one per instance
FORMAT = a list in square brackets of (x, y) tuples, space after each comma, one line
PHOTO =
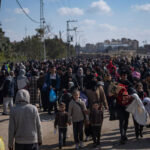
[(32, 47)]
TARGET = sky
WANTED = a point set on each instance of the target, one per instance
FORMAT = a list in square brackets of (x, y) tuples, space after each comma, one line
[(97, 20)]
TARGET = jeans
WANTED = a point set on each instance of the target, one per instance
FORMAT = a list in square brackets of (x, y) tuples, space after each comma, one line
[(7, 101), (26, 146), (62, 136), (78, 131)]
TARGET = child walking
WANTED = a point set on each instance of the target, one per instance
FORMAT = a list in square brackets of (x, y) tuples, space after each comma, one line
[(76, 113), (96, 123), (61, 121)]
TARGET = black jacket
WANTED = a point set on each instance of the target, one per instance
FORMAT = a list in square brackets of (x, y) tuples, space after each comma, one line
[(96, 117), (61, 119)]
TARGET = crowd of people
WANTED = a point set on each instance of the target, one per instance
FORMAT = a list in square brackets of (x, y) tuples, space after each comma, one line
[(76, 91)]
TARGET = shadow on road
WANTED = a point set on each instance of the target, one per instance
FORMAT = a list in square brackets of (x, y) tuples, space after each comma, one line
[(3, 120), (112, 140), (55, 146), (45, 117)]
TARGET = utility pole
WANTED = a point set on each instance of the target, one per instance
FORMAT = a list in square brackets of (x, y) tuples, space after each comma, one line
[(60, 34), (75, 29), (69, 38), (42, 27), (25, 31), (77, 44)]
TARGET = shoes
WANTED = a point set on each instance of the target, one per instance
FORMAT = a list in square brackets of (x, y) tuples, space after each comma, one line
[(5, 113), (125, 138), (137, 137), (98, 143), (60, 147), (112, 118), (122, 141), (148, 126), (64, 143), (81, 144), (94, 145), (77, 146), (141, 134), (50, 113)]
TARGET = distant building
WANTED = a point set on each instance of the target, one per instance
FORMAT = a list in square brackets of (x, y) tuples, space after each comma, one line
[(106, 42), (99, 46), (135, 44), (147, 47), (90, 47), (124, 44)]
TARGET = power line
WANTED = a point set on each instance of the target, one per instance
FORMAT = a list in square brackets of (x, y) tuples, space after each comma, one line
[(26, 13)]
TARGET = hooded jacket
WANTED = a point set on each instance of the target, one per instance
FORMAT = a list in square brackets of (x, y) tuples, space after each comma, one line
[(24, 123), (22, 80)]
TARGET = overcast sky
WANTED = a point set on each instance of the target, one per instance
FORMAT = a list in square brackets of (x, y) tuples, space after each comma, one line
[(98, 20)]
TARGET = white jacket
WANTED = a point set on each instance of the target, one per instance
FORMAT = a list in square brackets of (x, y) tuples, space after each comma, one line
[(137, 109)]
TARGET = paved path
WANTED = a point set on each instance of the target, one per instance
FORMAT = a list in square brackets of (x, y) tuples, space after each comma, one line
[(109, 139)]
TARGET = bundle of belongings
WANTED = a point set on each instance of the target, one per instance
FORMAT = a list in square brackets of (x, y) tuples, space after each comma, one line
[(137, 109), (131, 101), (146, 102), (119, 91)]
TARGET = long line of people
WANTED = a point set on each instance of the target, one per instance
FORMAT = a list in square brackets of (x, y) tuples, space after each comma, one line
[(84, 87)]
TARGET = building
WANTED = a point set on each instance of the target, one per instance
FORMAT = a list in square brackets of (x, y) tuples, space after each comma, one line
[(124, 44)]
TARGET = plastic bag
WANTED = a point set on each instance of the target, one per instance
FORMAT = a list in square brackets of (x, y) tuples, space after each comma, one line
[(2, 146), (52, 96)]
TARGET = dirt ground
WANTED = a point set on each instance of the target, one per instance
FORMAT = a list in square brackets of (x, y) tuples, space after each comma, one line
[(109, 139)]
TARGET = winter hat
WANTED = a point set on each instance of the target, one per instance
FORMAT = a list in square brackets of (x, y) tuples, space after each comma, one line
[(136, 74)]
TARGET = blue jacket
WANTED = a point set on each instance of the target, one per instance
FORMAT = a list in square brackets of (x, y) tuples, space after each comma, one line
[(48, 81)]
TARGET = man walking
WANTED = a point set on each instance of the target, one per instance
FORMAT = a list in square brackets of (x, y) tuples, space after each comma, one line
[(8, 93)]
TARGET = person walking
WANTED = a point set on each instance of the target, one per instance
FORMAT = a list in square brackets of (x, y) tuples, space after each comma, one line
[(52, 83), (8, 92), (95, 118), (24, 124), (76, 111), (61, 120)]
